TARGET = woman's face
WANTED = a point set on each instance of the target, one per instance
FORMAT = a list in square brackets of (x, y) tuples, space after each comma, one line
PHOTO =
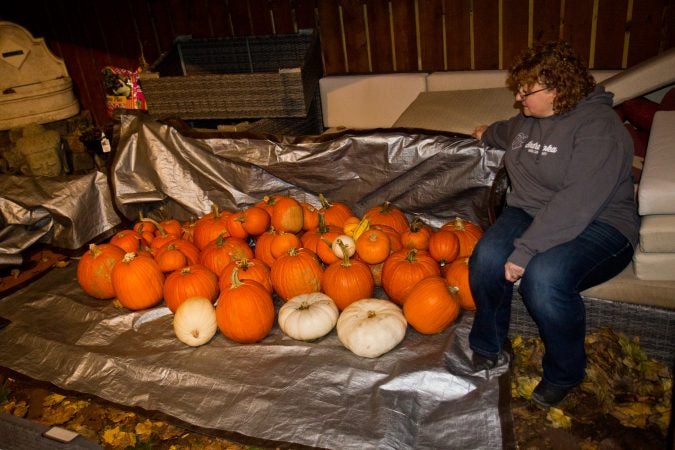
[(537, 100)]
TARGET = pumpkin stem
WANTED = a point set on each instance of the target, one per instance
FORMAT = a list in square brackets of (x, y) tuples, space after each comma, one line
[(411, 255), (220, 240), (323, 228), (94, 250), (304, 305), (234, 279), (454, 290), (162, 231), (346, 262), (371, 314), (325, 204), (458, 224), (416, 224), (195, 333), (128, 257), (386, 207)]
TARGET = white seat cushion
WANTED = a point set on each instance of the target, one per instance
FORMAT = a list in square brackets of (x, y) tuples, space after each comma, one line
[(368, 101), (657, 234), (654, 266), (458, 111), (656, 192)]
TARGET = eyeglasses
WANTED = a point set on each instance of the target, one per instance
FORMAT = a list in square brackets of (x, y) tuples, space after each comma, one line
[(527, 94)]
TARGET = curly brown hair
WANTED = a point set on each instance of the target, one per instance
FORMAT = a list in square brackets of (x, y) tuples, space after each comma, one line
[(556, 66)]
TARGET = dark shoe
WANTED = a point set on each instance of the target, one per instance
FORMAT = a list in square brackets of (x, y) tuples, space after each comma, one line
[(480, 362), (547, 395)]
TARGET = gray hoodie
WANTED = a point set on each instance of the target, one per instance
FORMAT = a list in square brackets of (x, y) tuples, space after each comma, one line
[(566, 171)]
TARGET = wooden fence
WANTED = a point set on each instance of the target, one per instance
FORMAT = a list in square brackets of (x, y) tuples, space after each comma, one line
[(357, 36)]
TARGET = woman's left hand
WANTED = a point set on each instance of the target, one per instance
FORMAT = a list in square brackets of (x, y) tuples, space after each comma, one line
[(513, 272)]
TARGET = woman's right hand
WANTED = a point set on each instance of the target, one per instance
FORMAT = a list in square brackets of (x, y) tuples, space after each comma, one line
[(478, 131)]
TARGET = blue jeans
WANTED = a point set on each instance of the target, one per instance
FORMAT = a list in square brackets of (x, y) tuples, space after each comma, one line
[(549, 287)]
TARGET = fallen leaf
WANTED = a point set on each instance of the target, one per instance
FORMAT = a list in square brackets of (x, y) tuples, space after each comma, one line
[(558, 418)]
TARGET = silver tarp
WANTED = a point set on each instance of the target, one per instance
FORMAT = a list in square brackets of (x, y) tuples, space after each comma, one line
[(421, 395), (182, 172), (65, 212)]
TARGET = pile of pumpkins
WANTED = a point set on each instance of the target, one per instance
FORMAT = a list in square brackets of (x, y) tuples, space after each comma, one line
[(220, 271)]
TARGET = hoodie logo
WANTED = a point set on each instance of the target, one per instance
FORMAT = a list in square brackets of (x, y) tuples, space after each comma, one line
[(518, 141)]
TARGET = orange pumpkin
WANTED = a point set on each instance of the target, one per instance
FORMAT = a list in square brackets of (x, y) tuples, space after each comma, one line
[(324, 248), (298, 272), (248, 269), (310, 216), (373, 246), (457, 275), (190, 281), (256, 220), (263, 246), (283, 242), (347, 281), (310, 238), (403, 269), (95, 268), (388, 215), (287, 214), (417, 236), (444, 246), (138, 281), (245, 311), (335, 213), (128, 240), (208, 227), (431, 306), (170, 256), (467, 232), (393, 235), (220, 252), (235, 225)]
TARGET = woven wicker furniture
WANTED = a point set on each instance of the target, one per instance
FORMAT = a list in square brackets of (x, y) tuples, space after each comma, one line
[(235, 78)]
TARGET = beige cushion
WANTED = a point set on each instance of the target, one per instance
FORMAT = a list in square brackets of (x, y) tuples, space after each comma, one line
[(462, 80), (458, 111), (368, 101), (656, 192), (657, 234), (642, 78), (626, 287), (654, 266)]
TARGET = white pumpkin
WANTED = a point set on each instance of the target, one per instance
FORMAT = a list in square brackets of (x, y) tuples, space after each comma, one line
[(371, 327), (306, 317), (195, 321), (348, 243)]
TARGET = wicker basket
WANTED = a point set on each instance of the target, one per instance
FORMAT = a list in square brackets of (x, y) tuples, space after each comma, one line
[(655, 327), (235, 78)]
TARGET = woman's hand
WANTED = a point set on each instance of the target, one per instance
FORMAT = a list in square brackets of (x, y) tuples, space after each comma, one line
[(478, 131), (513, 272)]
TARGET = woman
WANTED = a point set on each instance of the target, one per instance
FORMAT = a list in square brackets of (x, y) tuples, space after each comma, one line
[(570, 220)]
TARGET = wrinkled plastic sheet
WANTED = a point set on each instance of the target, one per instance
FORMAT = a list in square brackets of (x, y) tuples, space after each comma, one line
[(65, 212), (420, 395), (177, 171)]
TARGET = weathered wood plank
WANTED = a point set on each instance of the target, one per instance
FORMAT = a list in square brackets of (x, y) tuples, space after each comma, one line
[(405, 35), (546, 20), (380, 35), (486, 34), (431, 35), (331, 38), (458, 34), (355, 36), (609, 37), (515, 29), (645, 29), (577, 24)]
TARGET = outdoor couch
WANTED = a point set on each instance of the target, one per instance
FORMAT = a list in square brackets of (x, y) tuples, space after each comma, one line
[(638, 302)]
